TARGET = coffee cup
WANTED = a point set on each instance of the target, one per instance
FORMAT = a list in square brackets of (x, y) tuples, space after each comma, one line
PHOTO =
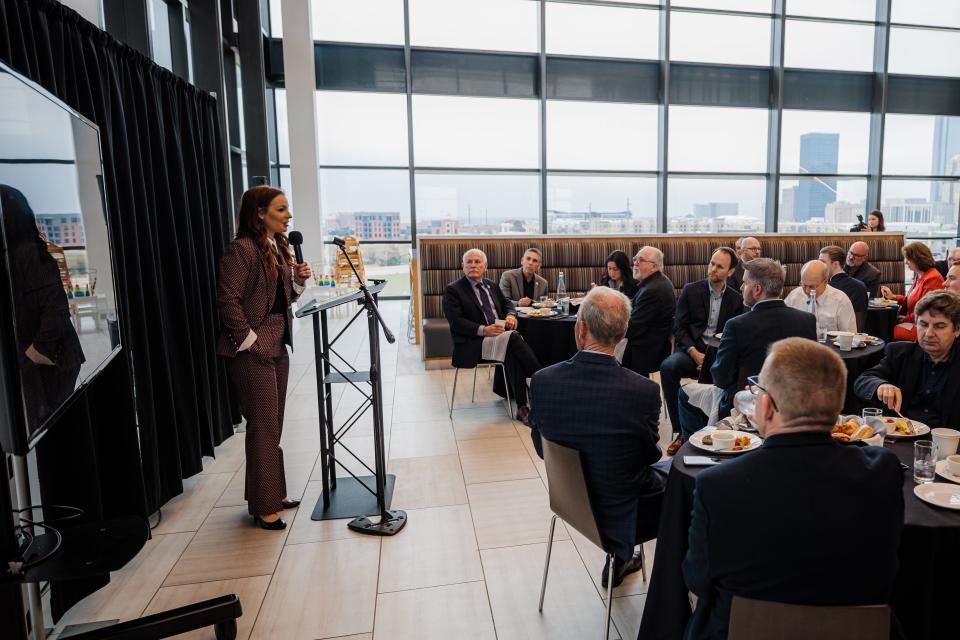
[(500, 323), (724, 439), (859, 339), (953, 464), (844, 340), (946, 441)]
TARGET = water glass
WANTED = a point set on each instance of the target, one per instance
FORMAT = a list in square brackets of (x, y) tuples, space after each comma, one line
[(924, 461), (821, 332), (565, 306), (870, 412), (543, 301)]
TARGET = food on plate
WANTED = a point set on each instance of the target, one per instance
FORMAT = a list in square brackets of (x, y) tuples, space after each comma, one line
[(902, 427), (539, 313), (847, 427), (863, 433), (708, 440), (549, 304), (840, 436), (851, 429)]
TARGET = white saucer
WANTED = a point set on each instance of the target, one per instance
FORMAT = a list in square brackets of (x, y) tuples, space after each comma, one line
[(944, 472), (940, 494), (697, 441)]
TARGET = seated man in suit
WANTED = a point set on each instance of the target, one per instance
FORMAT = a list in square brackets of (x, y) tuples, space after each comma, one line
[(920, 379), (834, 309), (744, 343), (747, 249), (523, 286), (654, 303), (858, 267), (836, 492), (702, 311), (475, 307), (834, 257), (952, 279), (610, 415), (953, 257)]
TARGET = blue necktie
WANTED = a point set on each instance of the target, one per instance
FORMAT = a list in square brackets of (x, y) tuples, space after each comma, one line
[(485, 304)]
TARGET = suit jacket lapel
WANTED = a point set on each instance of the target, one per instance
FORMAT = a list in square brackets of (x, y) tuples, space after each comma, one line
[(471, 292)]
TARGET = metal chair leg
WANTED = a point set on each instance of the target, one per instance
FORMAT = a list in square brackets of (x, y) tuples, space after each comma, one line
[(506, 384), (643, 564), (610, 570), (453, 396), (473, 395), (546, 563)]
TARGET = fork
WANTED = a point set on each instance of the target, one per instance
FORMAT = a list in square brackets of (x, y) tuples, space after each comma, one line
[(909, 422)]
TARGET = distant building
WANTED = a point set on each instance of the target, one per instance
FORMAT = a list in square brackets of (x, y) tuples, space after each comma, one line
[(441, 227), (63, 229), (788, 202), (721, 224), (716, 209), (917, 211), (946, 150), (845, 212), (818, 154), (377, 225)]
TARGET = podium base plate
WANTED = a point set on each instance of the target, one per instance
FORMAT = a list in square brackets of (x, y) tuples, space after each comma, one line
[(352, 500), (392, 525)]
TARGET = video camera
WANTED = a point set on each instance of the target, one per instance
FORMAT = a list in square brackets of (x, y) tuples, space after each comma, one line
[(860, 226)]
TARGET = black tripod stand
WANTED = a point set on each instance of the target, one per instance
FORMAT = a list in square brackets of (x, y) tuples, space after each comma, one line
[(353, 498)]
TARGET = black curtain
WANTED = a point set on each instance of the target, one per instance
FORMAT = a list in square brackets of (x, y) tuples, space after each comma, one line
[(166, 192)]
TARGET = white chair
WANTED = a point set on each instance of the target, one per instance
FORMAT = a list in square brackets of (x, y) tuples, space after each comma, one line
[(473, 395)]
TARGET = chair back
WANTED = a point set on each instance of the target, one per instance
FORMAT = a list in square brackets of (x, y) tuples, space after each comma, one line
[(569, 498), (759, 620)]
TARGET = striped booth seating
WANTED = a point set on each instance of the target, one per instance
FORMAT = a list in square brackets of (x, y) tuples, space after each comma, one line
[(583, 260)]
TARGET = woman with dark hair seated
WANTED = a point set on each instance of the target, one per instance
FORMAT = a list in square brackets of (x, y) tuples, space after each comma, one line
[(926, 278), (875, 221), (619, 274)]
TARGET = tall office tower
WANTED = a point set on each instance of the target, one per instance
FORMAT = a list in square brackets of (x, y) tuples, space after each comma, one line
[(946, 147), (818, 154)]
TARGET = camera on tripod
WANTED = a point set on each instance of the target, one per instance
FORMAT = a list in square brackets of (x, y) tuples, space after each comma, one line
[(860, 226)]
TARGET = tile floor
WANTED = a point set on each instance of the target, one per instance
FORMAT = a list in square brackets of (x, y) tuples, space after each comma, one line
[(467, 565)]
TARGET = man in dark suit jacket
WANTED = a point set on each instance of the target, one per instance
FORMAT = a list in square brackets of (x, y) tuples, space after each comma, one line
[(746, 338), (474, 307), (815, 492), (654, 303), (920, 379), (953, 257), (858, 267), (702, 311), (610, 415), (747, 249), (834, 257)]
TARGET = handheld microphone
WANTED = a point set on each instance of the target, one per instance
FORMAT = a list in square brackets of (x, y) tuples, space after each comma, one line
[(296, 239), (339, 242)]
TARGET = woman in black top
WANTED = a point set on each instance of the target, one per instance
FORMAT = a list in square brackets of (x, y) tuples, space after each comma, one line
[(619, 274)]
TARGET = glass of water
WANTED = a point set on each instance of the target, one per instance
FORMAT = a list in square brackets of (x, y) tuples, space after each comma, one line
[(924, 461), (870, 412)]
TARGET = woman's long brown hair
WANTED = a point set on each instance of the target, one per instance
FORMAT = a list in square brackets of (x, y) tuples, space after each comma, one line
[(249, 225)]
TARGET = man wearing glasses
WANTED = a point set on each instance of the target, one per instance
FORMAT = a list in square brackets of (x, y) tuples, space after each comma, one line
[(814, 492), (651, 318), (953, 258), (858, 267)]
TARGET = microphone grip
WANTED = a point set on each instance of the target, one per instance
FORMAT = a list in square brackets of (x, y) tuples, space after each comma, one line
[(298, 253), (339, 242)]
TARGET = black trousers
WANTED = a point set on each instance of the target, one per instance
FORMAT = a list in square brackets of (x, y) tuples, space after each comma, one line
[(678, 365), (520, 363)]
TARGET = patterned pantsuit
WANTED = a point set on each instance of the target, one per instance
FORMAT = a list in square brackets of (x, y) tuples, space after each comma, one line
[(261, 384)]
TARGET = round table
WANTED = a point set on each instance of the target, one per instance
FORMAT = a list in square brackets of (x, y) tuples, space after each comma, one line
[(881, 320), (551, 339), (857, 361), (924, 592)]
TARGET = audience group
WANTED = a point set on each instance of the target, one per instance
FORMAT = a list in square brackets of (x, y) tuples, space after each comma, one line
[(733, 325)]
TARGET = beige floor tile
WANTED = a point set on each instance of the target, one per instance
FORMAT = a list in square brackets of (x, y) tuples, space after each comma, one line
[(627, 612), (437, 547), (434, 481), (301, 406), (487, 427), (495, 460), (188, 510), (511, 513), (362, 447), (524, 432), (593, 558), (228, 546), (321, 590), (305, 529), (421, 439), (298, 467), (420, 409), (484, 413), (428, 383), (230, 455), (453, 611), (301, 434), (131, 589), (249, 590), (572, 607)]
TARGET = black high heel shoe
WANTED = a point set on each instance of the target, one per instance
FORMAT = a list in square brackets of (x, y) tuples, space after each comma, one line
[(276, 525), (290, 504)]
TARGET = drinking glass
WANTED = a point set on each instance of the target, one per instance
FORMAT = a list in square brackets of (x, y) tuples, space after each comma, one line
[(543, 301), (870, 412), (924, 461), (316, 268)]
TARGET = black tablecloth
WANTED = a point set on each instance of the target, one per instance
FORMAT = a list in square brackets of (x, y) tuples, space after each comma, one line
[(881, 321), (926, 588), (857, 361), (551, 339)]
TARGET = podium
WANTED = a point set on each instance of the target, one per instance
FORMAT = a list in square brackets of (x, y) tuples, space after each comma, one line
[(354, 496)]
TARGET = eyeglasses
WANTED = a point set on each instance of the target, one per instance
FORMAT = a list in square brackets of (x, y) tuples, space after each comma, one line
[(635, 260), (856, 255), (754, 382)]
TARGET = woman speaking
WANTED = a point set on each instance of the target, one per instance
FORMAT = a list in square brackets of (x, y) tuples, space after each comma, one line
[(258, 281)]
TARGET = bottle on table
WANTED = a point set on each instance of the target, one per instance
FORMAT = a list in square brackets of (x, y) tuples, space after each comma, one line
[(563, 302)]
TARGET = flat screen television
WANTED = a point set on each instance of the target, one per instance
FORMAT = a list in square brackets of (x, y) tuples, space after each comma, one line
[(58, 311)]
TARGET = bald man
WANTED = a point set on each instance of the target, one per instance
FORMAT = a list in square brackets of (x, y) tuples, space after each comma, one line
[(859, 267), (747, 249), (952, 281), (834, 309), (953, 257)]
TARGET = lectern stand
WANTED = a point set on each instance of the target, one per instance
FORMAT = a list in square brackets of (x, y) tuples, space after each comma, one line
[(355, 496)]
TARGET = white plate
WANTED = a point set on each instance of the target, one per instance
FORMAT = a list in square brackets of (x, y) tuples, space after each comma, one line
[(919, 429), (943, 471), (697, 441), (941, 494), (718, 336), (552, 312)]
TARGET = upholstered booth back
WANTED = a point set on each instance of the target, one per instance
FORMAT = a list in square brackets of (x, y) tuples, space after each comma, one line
[(583, 260)]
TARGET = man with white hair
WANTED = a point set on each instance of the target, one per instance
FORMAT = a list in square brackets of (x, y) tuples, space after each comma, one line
[(478, 313), (953, 257), (834, 309), (859, 267), (952, 281), (610, 415), (747, 249), (654, 305)]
